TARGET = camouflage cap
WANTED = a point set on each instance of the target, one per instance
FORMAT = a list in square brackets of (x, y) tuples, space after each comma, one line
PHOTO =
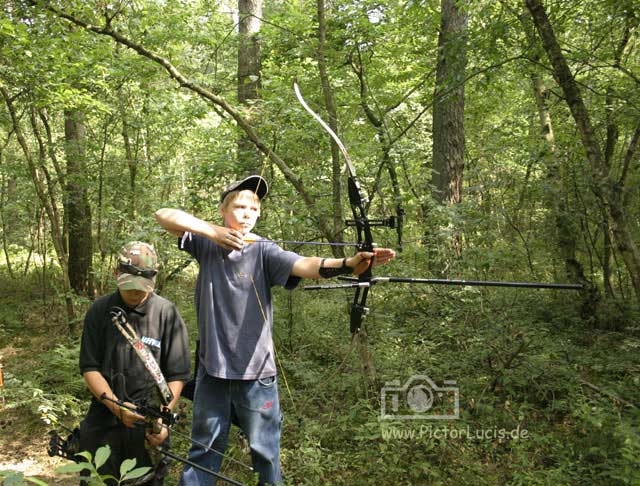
[(137, 263)]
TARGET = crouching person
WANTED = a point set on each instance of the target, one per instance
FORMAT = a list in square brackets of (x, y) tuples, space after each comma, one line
[(120, 360)]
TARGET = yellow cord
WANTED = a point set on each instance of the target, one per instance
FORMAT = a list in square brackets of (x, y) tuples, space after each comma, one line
[(264, 316)]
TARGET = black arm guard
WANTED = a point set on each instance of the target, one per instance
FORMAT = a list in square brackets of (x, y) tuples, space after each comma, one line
[(334, 272)]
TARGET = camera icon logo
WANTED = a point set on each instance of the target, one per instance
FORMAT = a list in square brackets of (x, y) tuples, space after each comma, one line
[(419, 399)]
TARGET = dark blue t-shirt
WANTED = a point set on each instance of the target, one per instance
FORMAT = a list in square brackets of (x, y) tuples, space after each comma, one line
[(233, 304)]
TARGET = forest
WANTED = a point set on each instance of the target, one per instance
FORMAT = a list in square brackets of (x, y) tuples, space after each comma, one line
[(484, 140)]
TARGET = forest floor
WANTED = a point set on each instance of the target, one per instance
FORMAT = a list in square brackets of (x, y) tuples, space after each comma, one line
[(30, 327), (24, 452), (568, 421)]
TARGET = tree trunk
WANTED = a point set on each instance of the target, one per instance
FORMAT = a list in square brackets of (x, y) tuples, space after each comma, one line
[(556, 195), (77, 209), (8, 193), (448, 108), (611, 193), (330, 106), (46, 195), (249, 72), (132, 163)]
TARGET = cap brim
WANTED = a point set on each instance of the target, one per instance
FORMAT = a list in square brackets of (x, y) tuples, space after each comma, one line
[(126, 281), (254, 183)]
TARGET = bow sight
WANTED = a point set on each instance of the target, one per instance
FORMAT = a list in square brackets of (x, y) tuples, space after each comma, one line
[(149, 411)]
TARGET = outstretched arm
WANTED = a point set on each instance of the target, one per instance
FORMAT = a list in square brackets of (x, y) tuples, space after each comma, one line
[(178, 222), (310, 267)]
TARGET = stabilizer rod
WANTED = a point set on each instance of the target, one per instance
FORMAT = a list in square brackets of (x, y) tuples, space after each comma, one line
[(354, 283)]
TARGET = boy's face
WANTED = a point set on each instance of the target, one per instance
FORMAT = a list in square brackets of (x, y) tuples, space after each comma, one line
[(242, 213), (133, 298)]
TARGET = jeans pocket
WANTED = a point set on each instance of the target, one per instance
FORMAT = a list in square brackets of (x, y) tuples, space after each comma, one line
[(267, 382)]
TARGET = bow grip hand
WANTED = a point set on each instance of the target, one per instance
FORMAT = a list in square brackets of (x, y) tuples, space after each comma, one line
[(363, 259)]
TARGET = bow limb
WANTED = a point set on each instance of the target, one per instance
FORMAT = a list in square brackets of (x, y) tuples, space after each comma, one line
[(336, 139), (357, 201)]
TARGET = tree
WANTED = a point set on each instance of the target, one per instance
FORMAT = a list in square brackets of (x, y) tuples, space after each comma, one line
[(47, 194), (77, 211), (614, 196), (249, 67), (330, 106), (448, 108), (556, 196)]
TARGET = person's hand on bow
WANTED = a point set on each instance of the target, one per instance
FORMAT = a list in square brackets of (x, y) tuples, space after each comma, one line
[(128, 417), (158, 434), (361, 260)]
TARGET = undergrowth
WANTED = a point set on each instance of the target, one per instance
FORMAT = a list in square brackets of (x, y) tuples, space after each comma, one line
[(543, 396)]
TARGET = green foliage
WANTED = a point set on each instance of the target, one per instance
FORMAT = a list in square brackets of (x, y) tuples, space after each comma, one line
[(46, 382), (13, 478), (39, 400), (520, 358), (128, 470)]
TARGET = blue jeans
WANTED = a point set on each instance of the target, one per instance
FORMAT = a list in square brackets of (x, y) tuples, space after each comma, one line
[(256, 406)]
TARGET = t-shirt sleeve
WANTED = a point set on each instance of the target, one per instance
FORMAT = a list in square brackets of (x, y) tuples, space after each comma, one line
[(194, 245), (92, 342), (175, 360), (186, 243), (278, 265)]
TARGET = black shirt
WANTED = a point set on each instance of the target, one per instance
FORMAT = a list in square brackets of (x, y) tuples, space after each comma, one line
[(104, 349)]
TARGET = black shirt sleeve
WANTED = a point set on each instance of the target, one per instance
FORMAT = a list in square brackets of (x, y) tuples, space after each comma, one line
[(175, 360), (93, 340)]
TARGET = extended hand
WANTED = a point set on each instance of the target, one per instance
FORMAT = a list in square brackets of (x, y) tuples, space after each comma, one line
[(361, 260)]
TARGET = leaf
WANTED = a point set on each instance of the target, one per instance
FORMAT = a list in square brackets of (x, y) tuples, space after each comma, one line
[(136, 473), (73, 467), (102, 455), (13, 478), (36, 481), (86, 454), (126, 466)]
